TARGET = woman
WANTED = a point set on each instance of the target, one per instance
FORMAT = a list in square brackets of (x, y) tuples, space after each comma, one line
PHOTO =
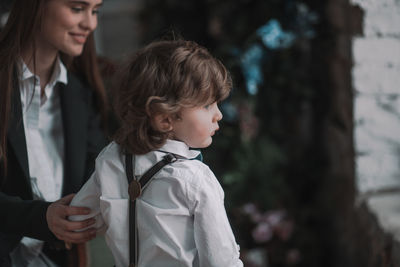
[(50, 92)]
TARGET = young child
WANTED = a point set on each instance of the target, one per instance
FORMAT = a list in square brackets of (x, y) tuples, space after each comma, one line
[(167, 103)]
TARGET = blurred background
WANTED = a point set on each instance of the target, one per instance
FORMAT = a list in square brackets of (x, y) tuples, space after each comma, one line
[(308, 152)]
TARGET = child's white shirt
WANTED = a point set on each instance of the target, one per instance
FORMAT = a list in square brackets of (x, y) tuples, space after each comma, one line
[(181, 215)]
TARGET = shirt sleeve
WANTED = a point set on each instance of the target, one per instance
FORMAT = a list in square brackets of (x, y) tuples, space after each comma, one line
[(89, 196), (214, 238)]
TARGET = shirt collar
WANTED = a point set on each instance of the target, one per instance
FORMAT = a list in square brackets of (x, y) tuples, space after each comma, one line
[(59, 73), (179, 148), (26, 73)]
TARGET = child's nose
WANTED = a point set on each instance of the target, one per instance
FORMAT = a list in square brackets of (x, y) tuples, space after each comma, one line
[(218, 115)]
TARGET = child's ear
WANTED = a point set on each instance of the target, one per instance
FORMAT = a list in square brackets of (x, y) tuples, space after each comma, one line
[(162, 122)]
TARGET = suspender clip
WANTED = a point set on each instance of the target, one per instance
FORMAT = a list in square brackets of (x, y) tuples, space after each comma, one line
[(170, 158)]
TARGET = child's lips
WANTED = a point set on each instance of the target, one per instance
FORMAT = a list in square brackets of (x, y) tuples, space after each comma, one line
[(214, 131)]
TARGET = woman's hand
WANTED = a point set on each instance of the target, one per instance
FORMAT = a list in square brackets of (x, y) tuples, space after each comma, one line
[(57, 220)]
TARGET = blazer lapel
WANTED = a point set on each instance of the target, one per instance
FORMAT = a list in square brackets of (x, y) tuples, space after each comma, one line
[(74, 114), (16, 134)]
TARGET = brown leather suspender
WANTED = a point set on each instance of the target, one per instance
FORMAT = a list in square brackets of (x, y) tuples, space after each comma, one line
[(136, 186)]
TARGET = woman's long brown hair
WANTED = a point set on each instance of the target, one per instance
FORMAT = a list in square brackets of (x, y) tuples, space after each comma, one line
[(23, 24)]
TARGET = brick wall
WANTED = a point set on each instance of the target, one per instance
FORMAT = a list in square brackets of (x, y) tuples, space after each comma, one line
[(376, 83)]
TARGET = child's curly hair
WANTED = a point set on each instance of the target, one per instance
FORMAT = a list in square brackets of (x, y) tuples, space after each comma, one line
[(162, 78)]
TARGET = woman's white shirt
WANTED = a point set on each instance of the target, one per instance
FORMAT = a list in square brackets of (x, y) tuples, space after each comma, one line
[(44, 131), (181, 215)]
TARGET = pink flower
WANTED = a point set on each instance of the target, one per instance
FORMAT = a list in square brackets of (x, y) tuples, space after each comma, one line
[(262, 233), (249, 208), (284, 230), (274, 217), (293, 256), (252, 211), (248, 122)]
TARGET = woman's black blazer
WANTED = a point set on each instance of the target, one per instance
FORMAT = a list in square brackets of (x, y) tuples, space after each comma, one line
[(83, 139)]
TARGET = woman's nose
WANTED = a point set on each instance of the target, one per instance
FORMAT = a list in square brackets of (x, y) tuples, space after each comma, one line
[(89, 21)]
